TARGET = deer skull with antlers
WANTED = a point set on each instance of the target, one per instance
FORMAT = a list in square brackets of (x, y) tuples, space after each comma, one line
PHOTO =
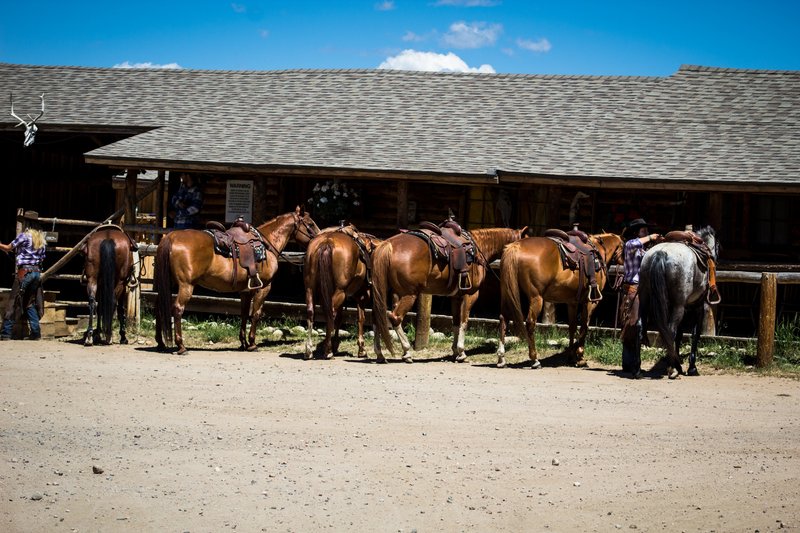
[(30, 127)]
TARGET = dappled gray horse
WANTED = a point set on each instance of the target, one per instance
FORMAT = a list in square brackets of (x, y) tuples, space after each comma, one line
[(672, 291)]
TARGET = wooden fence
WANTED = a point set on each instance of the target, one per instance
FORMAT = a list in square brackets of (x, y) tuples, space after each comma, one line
[(768, 282)]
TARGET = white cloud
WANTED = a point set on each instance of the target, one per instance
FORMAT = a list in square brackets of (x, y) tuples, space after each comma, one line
[(468, 3), (147, 64), (413, 37), (431, 62), (542, 45), (386, 5), (239, 8), (473, 35)]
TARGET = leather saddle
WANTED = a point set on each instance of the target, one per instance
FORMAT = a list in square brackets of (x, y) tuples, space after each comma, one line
[(365, 243), (240, 242), (695, 243), (577, 254), (449, 242)]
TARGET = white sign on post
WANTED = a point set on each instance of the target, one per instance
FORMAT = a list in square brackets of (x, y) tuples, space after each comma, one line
[(239, 200)]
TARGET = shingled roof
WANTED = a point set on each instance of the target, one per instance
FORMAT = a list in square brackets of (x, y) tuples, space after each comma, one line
[(704, 126)]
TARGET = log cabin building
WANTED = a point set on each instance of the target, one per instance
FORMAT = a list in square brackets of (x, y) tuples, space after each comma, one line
[(701, 146)]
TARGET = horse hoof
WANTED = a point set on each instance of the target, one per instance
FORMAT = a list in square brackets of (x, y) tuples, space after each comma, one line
[(182, 350), (161, 347), (88, 342), (408, 359), (252, 348), (362, 355), (636, 375), (308, 357), (582, 364), (693, 372), (381, 360), (536, 365), (674, 375), (123, 341), (501, 364), (460, 358), (329, 355)]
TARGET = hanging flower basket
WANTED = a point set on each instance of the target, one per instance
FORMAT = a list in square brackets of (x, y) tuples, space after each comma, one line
[(332, 202)]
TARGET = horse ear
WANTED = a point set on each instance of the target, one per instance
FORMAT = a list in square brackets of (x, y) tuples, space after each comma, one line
[(298, 210), (524, 231)]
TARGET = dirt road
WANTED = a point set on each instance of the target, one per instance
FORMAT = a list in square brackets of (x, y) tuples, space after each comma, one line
[(223, 440)]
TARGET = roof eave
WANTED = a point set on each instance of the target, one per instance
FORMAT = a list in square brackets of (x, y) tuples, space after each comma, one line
[(293, 170)]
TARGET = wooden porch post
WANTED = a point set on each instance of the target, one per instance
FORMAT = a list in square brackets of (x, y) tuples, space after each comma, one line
[(161, 179), (130, 218), (402, 204), (766, 321)]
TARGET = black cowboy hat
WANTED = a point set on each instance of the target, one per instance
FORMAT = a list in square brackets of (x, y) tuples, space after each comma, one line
[(634, 225), (638, 223)]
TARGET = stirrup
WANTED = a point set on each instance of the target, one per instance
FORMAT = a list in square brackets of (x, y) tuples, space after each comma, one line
[(461, 285), (250, 285), (598, 293), (715, 301)]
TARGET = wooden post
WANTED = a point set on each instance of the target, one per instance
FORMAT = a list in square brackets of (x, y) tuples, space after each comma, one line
[(402, 204), (160, 180), (130, 196), (548, 313), (709, 322), (766, 321), (423, 322)]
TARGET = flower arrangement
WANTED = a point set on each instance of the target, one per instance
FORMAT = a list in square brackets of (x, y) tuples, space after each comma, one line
[(333, 201)]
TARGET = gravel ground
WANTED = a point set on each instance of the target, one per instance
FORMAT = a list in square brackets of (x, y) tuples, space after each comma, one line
[(122, 438)]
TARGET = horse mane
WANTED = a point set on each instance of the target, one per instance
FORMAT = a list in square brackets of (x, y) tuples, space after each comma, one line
[(493, 238), (709, 236)]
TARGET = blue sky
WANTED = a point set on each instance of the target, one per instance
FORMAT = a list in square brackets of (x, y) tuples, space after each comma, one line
[(553, 37)]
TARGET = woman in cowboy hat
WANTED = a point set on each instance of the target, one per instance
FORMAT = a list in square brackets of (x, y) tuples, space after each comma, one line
[(29, 248), (638, 235)]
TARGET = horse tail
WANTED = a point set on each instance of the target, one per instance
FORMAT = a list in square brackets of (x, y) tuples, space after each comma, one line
[(325, 277), (655, 303), (381, 266), (106, 297), (510, 303), (162, 282)]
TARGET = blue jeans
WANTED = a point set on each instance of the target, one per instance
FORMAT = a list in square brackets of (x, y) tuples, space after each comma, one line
[(29, 282)]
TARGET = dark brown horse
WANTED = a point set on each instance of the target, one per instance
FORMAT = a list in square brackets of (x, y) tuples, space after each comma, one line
[(336, 268), (404, 265), (108, 274), (533, 267), (186, 258)]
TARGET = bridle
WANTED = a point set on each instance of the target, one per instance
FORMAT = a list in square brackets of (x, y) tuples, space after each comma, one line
[(306, 230)]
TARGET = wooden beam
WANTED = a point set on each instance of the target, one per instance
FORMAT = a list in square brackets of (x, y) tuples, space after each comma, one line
[(766, 321)]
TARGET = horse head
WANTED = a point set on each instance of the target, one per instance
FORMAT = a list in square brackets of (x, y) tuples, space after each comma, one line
[(709, 237), (305, 228), (610, 246)]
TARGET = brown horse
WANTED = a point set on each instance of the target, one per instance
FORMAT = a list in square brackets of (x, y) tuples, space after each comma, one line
[(187, 258), (533, 266), (336, 267), (108, 271), (404, 265)]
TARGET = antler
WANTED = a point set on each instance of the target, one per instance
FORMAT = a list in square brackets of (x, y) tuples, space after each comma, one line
[(30, 127), (21, 120)]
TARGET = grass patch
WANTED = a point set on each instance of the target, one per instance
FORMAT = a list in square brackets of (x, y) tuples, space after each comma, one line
[(481, 342)]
